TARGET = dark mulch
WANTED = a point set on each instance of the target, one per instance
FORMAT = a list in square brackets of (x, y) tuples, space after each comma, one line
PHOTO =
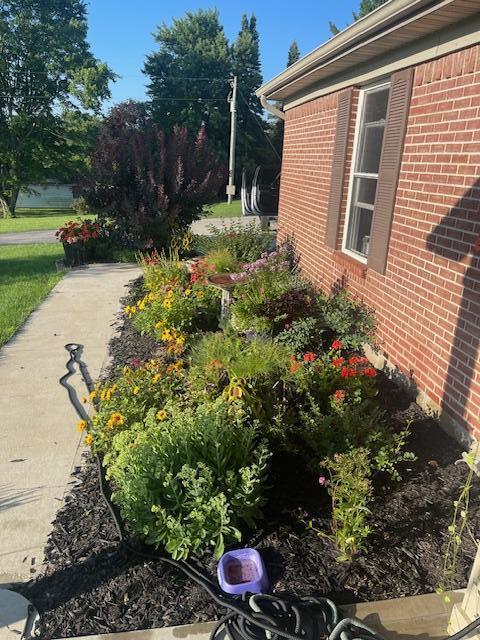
[(91, 585)]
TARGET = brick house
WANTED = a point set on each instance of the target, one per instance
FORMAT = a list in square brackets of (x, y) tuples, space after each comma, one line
[(380, 188)]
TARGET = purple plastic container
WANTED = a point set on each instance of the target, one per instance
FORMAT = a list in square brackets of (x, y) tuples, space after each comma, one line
[(242, 571)]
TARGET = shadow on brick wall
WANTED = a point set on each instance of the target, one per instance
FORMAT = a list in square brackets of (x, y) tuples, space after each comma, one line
[(457, 239)]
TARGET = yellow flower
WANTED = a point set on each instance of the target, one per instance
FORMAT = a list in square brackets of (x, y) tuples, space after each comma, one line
[(93, 395), (136, 390), (81, 425), (167, 303), (156, 378), (84, 400), (103, 395), (159, 325), (170, 293), (166, 335), (180, 341), (88, 439), (115, 420), (141, 305), (200, 295), (161, 415), (187, 292)]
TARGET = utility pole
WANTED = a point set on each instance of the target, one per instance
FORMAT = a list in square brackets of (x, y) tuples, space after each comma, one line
[(232, 98)]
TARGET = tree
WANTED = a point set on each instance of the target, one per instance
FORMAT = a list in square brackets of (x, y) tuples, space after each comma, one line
[(366, 6), (189, 76), (45, 66), (293, 54), (252, 144), (146, 180)]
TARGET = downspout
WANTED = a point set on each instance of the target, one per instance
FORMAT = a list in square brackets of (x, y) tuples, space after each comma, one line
[(270, 107)]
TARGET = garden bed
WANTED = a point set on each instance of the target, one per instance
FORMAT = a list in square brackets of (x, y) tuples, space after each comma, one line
[(91, 585)]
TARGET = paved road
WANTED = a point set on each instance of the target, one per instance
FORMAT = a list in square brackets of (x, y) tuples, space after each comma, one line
[(201, 227), (39, 444), (28, 237)]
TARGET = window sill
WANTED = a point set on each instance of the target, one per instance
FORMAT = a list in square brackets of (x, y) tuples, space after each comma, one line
[(350, 264)]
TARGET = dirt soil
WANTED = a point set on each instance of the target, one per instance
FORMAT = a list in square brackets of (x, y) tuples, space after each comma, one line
[(93, 585)]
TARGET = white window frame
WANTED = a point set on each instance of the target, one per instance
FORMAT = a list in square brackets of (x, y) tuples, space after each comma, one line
[(361, 102)]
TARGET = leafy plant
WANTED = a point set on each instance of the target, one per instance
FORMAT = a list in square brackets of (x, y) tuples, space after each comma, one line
[(350, 320), (189, 481), (222, 261), (351, 491), (126, 400), (246, 243), (302, 336), (458, 527), (150, 182), (228, 363)]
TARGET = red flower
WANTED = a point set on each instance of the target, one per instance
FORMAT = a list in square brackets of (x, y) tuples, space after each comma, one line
[(354, 360), (338, 362), (347, 373), (370, 372), (339, 395), (295, 366), (309, 357), (337, 345)]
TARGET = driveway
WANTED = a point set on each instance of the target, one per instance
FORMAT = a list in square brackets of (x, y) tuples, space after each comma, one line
[(28, 237), (200, 227)]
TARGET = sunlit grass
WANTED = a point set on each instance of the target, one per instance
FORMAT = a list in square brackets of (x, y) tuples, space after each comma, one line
[(27, 275), (38, 220)]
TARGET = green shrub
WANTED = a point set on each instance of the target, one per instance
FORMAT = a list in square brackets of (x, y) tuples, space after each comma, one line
[(350, 320), (222, 261), (126, 400), (188, 482), (351, 491), (302, 336), (246, 243), (237, 367)]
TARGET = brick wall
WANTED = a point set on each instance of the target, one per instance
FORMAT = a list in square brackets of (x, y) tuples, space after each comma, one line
[(428, 302)]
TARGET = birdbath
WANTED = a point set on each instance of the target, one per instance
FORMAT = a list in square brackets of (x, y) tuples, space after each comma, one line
[(225, 283)]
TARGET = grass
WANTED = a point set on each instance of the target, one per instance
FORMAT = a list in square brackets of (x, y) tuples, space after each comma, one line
[(224, 210), (38, 220), (27, 275)]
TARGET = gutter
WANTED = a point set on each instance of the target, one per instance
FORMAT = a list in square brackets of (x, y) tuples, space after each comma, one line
[(270, 107), (377, 21)]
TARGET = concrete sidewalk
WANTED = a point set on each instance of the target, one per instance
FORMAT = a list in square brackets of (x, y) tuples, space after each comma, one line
[(39, 443)]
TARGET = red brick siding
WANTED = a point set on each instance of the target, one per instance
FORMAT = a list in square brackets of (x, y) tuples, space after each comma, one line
[(428, 302)]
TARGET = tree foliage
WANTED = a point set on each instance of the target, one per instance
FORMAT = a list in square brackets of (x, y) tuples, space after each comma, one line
[(146, 181), (45, 66), (189, 76), (293, 54), (189, 81), (366, 6)]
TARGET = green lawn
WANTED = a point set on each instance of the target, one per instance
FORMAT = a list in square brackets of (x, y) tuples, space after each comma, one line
[(27, 275), (38, 219), (224, 210)]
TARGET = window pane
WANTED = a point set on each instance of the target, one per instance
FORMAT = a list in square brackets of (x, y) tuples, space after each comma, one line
[(371, 131), (364, 191), (359, 228), (375, 106), (370, 149)]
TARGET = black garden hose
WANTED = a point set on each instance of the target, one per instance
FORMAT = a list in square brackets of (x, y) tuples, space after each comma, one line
[(254, 617)]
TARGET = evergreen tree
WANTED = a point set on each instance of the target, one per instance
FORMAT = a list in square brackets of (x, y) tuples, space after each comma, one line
[(189, 76), (366, 6), (293, 54), (252, 146)]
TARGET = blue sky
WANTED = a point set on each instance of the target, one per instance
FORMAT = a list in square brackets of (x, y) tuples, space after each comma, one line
[(120, 31)]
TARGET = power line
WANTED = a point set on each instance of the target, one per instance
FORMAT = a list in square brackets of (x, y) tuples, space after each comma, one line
[(256, 118)]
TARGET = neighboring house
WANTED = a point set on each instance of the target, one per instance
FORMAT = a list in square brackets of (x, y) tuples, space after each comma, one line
[(43, 196), (380, 187)]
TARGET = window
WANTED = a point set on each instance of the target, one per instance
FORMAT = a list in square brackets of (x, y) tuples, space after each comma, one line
[(372, 114)]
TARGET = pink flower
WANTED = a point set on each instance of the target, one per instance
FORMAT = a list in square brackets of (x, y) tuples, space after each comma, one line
[(322, 480)]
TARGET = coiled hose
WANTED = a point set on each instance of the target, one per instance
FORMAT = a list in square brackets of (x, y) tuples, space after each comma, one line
[(255, 617)]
